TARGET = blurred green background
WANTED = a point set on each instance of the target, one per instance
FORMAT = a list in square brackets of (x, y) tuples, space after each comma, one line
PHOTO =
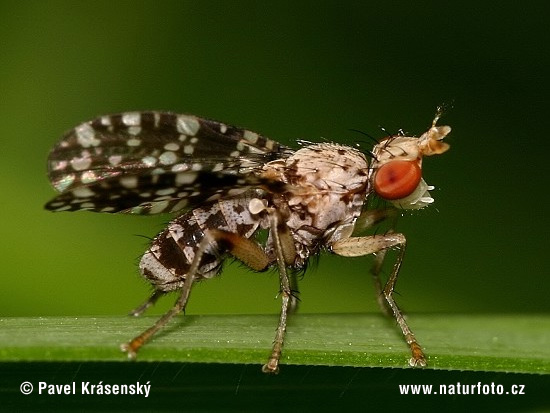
[(289, 70)]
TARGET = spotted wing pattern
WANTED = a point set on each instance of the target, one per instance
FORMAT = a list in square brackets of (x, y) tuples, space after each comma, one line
[(153, 162)]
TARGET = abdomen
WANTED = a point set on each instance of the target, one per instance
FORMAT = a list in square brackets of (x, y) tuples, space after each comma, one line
[(168, 260)]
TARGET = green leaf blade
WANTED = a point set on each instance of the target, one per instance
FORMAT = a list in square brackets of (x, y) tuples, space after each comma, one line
[(502, 343)]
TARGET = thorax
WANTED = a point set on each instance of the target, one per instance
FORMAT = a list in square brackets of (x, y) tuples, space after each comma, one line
[(326, 186)]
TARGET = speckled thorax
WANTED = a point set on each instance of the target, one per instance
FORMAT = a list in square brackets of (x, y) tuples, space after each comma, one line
[(326, 186)]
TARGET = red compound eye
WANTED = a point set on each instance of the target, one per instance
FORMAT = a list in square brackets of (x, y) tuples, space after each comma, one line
[(397, 179)]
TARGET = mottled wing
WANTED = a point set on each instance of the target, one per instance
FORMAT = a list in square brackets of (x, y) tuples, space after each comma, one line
[(153, 162)]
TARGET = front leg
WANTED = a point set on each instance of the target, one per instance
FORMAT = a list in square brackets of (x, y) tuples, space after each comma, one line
[(369, 219), (359, 246)]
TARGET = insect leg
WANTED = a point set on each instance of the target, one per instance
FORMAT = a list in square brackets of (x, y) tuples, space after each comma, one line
[(244, 249), (367, 220), (278, 230), (251, 254), (136, 343), (286, 245), (375, 272), (294, 300), (372, 217), (136, 312), (359, 246)]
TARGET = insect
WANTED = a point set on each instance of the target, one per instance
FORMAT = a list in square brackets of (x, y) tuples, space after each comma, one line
[(225, 185)]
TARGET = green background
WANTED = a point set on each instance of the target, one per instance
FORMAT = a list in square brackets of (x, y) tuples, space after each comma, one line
[(307, 70), (289, 70)]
